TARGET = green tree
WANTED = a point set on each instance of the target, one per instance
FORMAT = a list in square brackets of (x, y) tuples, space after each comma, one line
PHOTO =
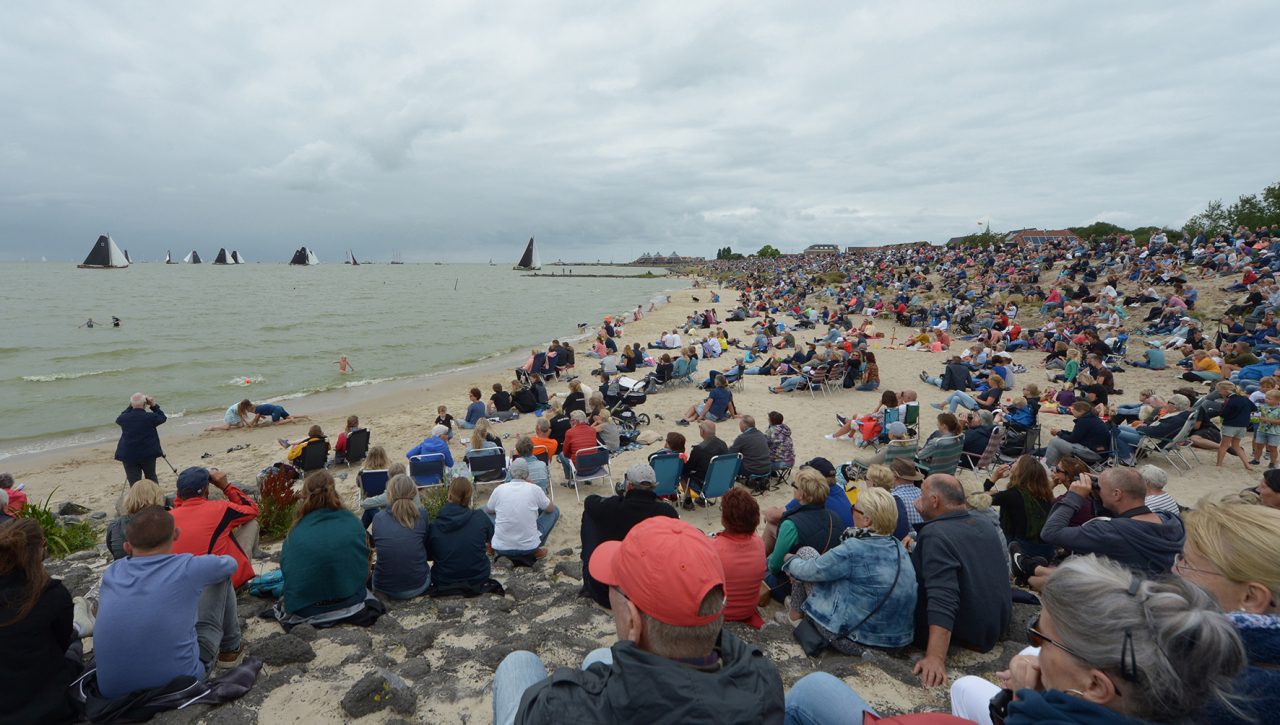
[(727, 253), (1248, 211), (769, 252), (1213, 219)]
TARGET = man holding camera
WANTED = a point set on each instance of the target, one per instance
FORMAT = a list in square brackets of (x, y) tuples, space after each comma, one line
[(1143, 540), (139, 445)]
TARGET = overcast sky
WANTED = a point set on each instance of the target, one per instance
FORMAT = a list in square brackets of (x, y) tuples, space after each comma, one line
[(606, 129)]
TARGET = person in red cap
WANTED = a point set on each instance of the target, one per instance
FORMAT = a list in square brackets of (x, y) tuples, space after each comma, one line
[(672, 663)]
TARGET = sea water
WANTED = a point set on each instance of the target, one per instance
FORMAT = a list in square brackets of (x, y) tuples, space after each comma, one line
[(201, 337)]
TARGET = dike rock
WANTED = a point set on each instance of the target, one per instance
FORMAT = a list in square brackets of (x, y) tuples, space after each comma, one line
[(378, 691), (283, 649)]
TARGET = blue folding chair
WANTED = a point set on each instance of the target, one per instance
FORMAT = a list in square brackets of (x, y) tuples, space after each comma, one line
[(588, 465), (426, 469), (667, 468), (722, 472), (372, 482), (488, 465)]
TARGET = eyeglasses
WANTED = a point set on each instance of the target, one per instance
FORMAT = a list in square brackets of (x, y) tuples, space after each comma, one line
[(1180, 566), (1038, 639)]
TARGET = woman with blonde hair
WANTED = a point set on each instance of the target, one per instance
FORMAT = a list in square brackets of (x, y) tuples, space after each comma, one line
[(237, 416), (481, 438), (861, 593), (140, 495), (810, 524), (325, 558), (400, 540), (1230, 553)]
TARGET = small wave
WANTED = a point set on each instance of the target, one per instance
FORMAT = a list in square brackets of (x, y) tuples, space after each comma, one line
[(68, 376), (246, 380), (97, 354)]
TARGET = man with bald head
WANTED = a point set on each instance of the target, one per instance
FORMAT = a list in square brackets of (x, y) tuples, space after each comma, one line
[(695, 469), (964, 581)]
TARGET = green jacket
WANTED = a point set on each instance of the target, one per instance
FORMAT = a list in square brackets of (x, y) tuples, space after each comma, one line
[(325, 559)]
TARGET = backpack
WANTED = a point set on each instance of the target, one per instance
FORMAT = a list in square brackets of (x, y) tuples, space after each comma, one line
[(268, 585)]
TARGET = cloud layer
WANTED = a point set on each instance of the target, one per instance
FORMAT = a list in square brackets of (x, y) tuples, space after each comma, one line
[(609, 129)]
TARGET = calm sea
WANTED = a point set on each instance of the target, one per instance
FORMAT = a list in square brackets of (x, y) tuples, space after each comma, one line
[(200, 337)]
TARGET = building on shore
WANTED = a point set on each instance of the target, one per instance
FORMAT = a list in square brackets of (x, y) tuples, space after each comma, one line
[(820, 249), (877, 248)]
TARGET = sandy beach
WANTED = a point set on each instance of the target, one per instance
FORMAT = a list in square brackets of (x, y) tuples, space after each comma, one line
[(456, 693)]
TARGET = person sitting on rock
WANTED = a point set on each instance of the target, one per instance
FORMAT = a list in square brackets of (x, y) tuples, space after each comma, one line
[(227, 527), (400, 539), (161, 614), (457, 542), (610, 518), (673, 661), (140, 495), (523, 516)]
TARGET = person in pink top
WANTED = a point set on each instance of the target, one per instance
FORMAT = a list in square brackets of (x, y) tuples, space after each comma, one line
[(742, 556)]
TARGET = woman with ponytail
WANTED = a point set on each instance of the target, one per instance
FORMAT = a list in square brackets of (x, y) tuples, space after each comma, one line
[(36, 631), (400, 539), (325, 559)]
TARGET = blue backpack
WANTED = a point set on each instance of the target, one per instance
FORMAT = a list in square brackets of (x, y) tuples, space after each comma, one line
[(269, 585)]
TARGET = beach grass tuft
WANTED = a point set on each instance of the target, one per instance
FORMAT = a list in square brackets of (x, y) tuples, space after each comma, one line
[(60, 539)]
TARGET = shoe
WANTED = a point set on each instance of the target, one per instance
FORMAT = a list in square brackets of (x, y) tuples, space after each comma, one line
[(540, 552), (227, 660), (682, 421), (829, 437), (785, 619), (82, 617), (1254, 462), (937, 406), (284, 442), (841, 419), (924, 377), (688, 505)]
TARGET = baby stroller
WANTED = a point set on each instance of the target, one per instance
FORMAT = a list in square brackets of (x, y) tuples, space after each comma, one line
[(630, 393)]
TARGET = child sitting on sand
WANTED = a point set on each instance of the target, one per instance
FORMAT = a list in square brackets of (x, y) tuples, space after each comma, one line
[(445, 419)]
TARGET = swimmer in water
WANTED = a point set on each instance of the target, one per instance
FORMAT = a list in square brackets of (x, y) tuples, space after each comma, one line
[(89, 323), (343, 365), (115, 321)]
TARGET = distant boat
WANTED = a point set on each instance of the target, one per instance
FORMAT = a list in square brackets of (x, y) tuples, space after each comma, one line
[(222, 257), (236, 258), (193, 258), (354, 262), (105, 255), (304, 258), (395, 258), (529, 260), (168, 257), (438, 264), (491, 264)]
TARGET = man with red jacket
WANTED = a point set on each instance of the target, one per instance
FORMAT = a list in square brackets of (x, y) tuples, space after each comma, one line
[(227, 527), (579, 437)]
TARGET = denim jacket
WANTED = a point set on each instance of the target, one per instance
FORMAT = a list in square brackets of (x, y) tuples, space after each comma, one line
[(851, 579)]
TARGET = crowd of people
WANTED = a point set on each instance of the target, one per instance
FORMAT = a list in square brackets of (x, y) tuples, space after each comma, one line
[(903, 549)]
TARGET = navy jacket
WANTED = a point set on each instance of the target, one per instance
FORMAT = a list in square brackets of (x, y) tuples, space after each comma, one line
[(455, 545), (139, 440), (1091, 432)]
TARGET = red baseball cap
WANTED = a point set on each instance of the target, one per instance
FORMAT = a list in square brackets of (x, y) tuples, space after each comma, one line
[(665, 566)]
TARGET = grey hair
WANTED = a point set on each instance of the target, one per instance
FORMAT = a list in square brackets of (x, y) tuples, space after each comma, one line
[(985, 417), (519, 470), (578, 416), (440, 431), (1179, 401), (1185, 652), (137, 400), (707, 427), (1155, 476), (673, 641), (6, 480)]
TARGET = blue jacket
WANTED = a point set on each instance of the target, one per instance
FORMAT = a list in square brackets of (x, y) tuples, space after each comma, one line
[(432, 445), (455, 543), (1257, 371), (851, 580), (1057, 708), (1091, 432), (139, 440), (1260, 681)]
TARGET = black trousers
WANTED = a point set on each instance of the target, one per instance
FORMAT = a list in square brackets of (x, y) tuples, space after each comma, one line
[(137, 470)]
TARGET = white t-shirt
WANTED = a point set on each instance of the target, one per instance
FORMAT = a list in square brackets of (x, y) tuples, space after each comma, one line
[(671, 341), (516, 505)]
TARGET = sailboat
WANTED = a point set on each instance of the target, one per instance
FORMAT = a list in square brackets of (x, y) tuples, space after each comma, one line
[(395, 258), (529, 260), (168, 257), (105, 255), (354, 262), (127, 258), (193, 258), (304, 257), (236, 258), (491, 264), (222, 257)]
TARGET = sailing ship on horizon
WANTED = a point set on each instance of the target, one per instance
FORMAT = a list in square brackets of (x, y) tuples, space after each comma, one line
[(529, 260)]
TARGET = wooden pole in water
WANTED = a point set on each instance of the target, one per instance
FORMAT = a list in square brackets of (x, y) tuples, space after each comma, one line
[(455, 284)]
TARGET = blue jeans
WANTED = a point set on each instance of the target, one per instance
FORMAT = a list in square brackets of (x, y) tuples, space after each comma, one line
[(546, 522), (519, 671), (793, 382), (568, 474), (217, 624), (868, 386), (820, 699), (960, 398), (464, 424), (1126, 438)]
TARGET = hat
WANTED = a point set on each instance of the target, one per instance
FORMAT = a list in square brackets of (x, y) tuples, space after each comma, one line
[(905, 469), (666, 567), (822, 465), (641, 474), (897, 427), (192, 481)]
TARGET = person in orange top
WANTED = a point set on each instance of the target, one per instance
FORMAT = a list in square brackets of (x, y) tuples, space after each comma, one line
[(1203, 367), (542, 436), (215, 527), (742, 555)]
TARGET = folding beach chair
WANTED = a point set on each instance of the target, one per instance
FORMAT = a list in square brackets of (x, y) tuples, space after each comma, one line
[(667, 468), (314, 457), (372, 482), (427, 469), (488, 465), (722, 472), (357, 446), (588, 465), (1171, 448), (946, 457)]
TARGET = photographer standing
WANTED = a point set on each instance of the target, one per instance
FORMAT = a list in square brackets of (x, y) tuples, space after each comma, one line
[(139, 445)]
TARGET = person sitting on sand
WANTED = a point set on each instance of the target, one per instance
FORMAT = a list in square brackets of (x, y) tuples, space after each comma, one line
[(399, 536), (296, 448), (340, 448), (237, 416), (228, 527), (523, 516), (522, 397), (717, 407), (276, 413), (456, 543), (445, 419), (164, 614), (325, 561), (475, 410), (500, 406), (674, 661), (742, 553), (610, 518)]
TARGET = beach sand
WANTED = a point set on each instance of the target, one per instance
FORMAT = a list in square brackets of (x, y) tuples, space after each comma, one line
[(468, 638)]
